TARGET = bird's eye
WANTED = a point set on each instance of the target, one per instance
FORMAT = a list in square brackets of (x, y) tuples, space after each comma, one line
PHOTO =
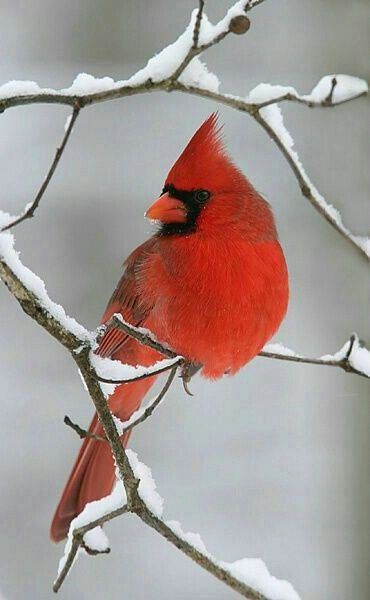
[(201, 195)]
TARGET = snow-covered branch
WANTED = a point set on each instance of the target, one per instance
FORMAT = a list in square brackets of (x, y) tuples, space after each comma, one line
[(31, 208), (248, 576), (178, 68), (353, 357)]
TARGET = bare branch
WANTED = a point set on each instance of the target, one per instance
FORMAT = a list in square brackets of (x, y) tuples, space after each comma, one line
[(151, 408), (132, 422), (28, 214), (82, 433), (198, 21), (139, 334)]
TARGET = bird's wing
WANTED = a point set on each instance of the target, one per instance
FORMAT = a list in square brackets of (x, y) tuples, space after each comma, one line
[(127, 300)]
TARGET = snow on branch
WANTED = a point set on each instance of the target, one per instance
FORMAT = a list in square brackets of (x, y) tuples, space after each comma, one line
[(178, 68), (249, 576), (30, 208), (353, 357), (271, 119)]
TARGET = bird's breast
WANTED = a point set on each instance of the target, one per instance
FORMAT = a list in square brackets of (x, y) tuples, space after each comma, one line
[(217, 302)]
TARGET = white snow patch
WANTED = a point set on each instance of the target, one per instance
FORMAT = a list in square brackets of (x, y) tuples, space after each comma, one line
[(96, 539), (254, 573), (346, 88), (115, 369), (279, 349), (197, 74), (36, 285), (68, 122), (360, 358)]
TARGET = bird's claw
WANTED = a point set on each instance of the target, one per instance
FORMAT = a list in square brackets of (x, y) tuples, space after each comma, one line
[(187, 372)]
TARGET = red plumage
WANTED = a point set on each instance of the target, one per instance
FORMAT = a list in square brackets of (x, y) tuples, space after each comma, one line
[(212, 284)]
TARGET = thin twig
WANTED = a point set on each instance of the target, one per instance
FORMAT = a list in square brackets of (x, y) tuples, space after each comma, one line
[(143, 376), (329, 99), (151, 408), (28, 214), (307, 189), (343, 363), (197, 25), (140, 335), (78, 541), (83, 433)]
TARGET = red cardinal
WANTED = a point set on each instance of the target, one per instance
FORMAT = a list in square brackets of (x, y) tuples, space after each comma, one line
[(212, 283)]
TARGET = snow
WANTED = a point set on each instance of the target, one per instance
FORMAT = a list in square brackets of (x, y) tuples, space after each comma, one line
[(96, 538), (91, 512), (68, 122), (346, 88), (209, 32), (197, 74), (21, 88), (273, 116), (158, 68), (360, 358), (279, 349), (193, 539), (253, 572), (35, 285), (250, 571), (85, 83), (114, 369)]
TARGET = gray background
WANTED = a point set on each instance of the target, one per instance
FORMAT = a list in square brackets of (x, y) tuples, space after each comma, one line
[(273, 463)]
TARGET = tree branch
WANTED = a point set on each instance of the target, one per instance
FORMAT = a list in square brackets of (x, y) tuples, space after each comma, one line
[(134, 420), (28, 214), (78, 541), (141, 335), (343, 363)]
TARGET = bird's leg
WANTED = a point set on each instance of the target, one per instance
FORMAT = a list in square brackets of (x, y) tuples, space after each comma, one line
[(188, 371)]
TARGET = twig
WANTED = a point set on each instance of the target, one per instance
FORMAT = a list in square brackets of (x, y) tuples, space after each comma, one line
[(83, 433), (140, 335), (151, 408), (329, 99), (77, 541), (343, 363), (143, 376), (198, 21), (28, 214), (307, 189)]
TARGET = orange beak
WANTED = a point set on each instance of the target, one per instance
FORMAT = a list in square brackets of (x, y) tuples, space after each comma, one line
[(167, 210)]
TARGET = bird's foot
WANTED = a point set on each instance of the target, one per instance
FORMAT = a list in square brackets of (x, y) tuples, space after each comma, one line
[(188, 371)]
